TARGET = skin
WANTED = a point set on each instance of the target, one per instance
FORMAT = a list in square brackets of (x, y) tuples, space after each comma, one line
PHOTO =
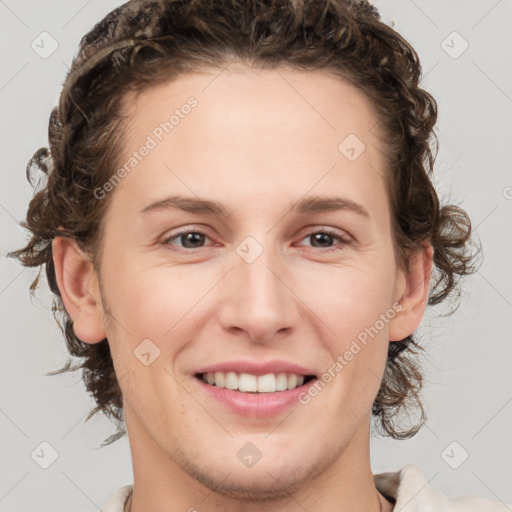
[(256, 141)]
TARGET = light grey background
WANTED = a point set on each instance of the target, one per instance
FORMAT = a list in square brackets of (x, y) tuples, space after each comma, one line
[(468, 388)]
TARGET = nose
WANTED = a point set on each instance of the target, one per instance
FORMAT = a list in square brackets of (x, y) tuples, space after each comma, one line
[(258, 299)]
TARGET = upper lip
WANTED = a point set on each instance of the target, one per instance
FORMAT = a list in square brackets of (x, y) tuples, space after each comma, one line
[(257, 368)]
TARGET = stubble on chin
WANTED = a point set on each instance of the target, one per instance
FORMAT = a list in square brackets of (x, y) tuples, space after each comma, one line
[(272, 487)]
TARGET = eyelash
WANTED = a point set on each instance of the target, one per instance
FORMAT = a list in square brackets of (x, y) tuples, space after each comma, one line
[(327, 231)]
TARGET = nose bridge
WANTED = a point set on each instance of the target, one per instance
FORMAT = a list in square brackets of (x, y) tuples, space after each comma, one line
[(259, 302), (261, 282)]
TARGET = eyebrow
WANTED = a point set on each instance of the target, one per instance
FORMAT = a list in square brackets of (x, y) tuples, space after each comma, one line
[(311, 204), (314, 204), (188, 204)]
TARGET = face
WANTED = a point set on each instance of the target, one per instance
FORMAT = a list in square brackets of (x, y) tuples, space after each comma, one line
[(261, 278)]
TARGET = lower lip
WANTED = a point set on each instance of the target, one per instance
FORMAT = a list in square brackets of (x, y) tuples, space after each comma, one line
[(256, 405)]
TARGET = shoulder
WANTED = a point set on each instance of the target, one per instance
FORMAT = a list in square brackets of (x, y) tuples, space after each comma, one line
[(116, 502), (411, 492)]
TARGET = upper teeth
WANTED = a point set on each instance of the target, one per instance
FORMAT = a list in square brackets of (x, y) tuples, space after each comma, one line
[(247, 382)]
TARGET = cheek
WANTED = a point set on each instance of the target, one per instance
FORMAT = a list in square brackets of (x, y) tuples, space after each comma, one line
[(348, 299), (150, 300), (150, 330), (357, 308)]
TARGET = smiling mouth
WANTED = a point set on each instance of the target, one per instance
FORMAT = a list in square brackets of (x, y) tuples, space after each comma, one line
[(249, 383)]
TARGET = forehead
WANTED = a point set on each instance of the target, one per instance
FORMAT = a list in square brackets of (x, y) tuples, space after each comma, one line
[(318, 97), (237, 130)]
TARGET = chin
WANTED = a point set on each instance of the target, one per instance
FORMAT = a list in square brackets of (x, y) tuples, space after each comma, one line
[(269, 479), (251, 484)]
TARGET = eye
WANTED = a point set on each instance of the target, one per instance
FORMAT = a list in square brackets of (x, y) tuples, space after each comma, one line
[(195, 239), (189, 239), (324, 238)]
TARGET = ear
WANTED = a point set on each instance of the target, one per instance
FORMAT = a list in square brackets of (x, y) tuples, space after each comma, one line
[(412, 293), (79, 288)]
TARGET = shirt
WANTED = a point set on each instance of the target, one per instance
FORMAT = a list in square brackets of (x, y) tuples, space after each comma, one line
[(408, 489)]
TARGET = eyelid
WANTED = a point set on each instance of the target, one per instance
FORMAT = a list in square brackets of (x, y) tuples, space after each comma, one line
[(340, 233)]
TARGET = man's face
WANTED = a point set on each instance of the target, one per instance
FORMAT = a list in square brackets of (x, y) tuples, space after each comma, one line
[(260, 284)]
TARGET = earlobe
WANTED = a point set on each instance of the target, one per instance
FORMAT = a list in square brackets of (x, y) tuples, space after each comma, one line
[(413, 294), (79, 289)]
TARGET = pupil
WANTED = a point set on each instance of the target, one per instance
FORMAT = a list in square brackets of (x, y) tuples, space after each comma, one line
[(324, 237), (193, 238)]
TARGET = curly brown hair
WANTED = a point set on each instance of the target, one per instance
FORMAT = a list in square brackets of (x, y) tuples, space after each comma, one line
[(145, 42)]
